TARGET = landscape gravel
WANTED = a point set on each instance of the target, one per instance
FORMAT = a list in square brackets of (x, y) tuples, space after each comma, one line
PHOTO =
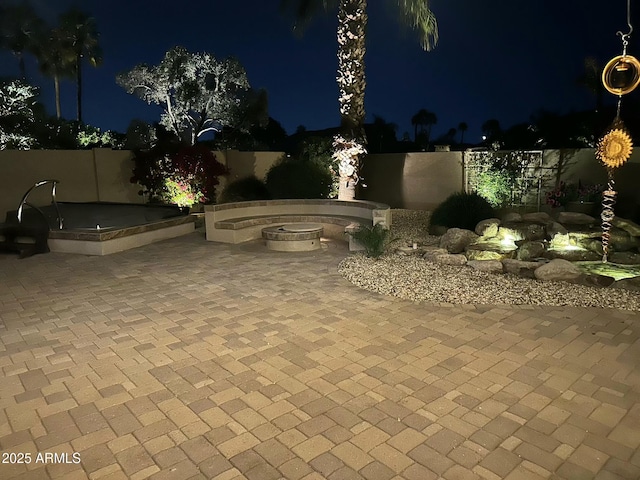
[(412, 278)]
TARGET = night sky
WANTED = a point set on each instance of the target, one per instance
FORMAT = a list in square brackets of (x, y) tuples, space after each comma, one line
[(500, 59)]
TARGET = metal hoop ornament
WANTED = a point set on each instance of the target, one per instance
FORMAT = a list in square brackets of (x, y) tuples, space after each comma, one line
[(618, 66)]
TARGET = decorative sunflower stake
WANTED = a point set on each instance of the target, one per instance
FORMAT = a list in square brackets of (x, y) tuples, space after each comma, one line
[(620, 76)]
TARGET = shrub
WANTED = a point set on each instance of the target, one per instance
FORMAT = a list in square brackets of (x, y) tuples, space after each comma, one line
[(495, 187), (320, 150), (374, 239), (462, 210), (291, 178), (178, 174), (244, 189)]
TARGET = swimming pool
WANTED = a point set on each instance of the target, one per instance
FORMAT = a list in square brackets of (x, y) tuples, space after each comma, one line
[(102, 228)]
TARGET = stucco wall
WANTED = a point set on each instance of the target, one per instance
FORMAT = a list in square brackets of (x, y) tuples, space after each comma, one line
[(413, 180), (417, 181), (96, 175)]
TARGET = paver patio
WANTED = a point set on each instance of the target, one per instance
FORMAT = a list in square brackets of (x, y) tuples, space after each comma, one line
[(188, 359)]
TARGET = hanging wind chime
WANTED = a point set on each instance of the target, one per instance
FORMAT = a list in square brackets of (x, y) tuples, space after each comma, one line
[(620, 76)]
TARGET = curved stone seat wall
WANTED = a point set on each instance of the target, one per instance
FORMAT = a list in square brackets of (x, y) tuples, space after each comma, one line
[(243, 221)]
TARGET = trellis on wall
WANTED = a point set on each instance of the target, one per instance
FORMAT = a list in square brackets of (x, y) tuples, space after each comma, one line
[(508, 178)]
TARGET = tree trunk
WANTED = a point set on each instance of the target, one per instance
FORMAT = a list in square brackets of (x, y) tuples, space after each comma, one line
[(352, 23), (346, 189), (56, 83), (79, 88)]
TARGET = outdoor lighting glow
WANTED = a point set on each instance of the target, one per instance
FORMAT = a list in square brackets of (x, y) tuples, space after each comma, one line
[(613, 270), (563, 243), (98, 227)]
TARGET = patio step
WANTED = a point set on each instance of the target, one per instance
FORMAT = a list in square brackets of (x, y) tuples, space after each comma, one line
[(23, 240)]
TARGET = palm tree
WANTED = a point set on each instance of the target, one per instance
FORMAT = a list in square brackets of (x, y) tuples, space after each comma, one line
[(56, 59), (352, 22), (424, 119), (420, 119), (462, 127), (20, 26), (82, 35), (491, 129)]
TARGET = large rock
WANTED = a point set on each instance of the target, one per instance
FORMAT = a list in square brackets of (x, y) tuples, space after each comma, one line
[(490, 266), (488, 227), (450, 259), (558, 270), (457, 239), (627, 225), (595, 280), (628, 284), (553, 228), (530, 250), (575, 218), (520, 268), (512, 217), (431, 252), (624, 258), (537, 217), (523, 230), (622, 241), (573, 255), (488, 251)]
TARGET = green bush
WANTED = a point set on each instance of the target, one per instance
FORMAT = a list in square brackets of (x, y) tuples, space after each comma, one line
[(374, 239), (495, 187), (292, 178), (244, 190), (462, 210)]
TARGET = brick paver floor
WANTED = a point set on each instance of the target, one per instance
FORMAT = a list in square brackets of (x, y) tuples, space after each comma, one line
[(193, 360)]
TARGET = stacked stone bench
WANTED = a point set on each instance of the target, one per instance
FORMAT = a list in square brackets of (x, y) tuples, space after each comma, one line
[(240, 222)]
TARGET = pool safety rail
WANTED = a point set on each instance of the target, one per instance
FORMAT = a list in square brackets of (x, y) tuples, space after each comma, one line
[(24, 201)]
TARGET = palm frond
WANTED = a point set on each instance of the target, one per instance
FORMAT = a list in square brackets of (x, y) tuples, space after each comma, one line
[(304, 11), (418, 15)]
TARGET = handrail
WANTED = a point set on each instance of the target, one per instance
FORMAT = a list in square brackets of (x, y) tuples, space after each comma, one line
[(24, 202)]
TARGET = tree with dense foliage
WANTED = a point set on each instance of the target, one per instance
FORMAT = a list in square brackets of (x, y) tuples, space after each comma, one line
[(82, 35), (20, 29), (17, 101), (197, 92), (351, 35)]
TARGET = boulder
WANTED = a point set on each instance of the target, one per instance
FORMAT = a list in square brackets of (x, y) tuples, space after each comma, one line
[(553, 228), (520, 267), (530, 250), (537, 217), (490, 266), (630, 227), (592, 244), (628, 284), (575, 218), (488, 227), (595, 280), (621, 240), (431, 252), (457, 239), (486, 251), (579, 255), (512, 217), (558, 270), (450, 259), (523, 230), (624, 258)]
